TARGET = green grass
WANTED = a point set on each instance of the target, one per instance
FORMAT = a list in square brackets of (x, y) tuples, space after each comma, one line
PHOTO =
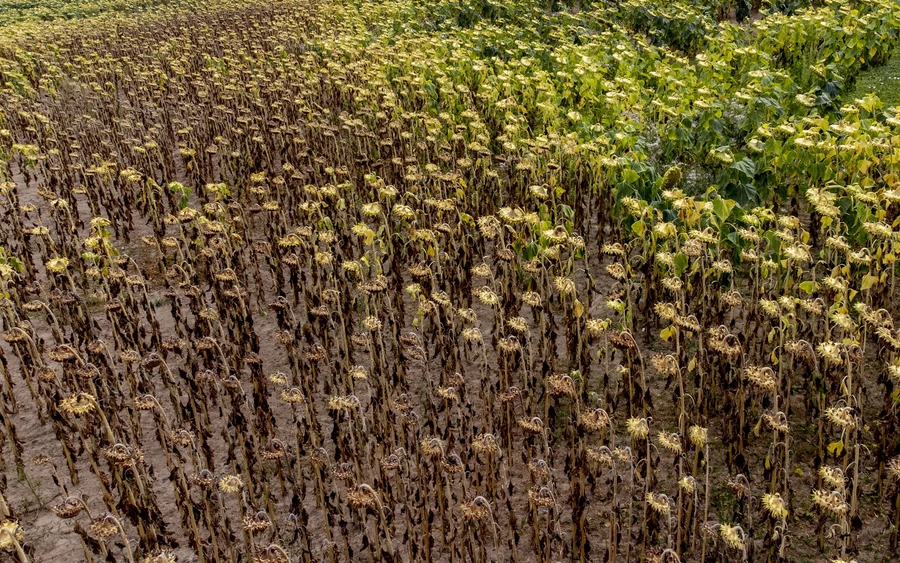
[(883, 81)]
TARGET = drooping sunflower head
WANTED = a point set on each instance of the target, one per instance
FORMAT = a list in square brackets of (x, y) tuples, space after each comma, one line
[(10, 535), (78, 404), (638, 428), (775, 505), (231, 483)]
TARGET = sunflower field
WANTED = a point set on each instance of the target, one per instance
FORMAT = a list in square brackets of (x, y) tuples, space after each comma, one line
[(296, 281)]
